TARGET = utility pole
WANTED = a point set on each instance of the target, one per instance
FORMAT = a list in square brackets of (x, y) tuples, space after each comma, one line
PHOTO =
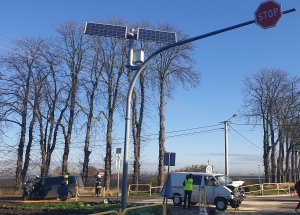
[(226, 143), (226, 147)]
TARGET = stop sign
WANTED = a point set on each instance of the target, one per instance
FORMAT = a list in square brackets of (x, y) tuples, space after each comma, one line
[(268, 14)]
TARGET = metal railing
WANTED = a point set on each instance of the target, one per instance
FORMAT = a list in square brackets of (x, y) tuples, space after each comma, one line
[(148, 189), (89, 192)]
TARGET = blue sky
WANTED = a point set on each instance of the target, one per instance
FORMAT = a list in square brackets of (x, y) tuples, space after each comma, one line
[(223, 61)]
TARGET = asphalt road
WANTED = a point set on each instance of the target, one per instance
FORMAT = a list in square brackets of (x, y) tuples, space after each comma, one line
[(265, 205)]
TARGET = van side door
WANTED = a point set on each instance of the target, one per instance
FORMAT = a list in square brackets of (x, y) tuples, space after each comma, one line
[(210, 189), (197, 181)]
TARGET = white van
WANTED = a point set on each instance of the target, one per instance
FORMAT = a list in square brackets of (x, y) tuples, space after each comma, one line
[(219, 188)]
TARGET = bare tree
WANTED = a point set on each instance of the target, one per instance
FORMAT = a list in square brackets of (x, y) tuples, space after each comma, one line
[(114, 53), (38, 83), (22, 63), (73, 48), (170, 68), (56, 103), (91, 87), (270, 98)]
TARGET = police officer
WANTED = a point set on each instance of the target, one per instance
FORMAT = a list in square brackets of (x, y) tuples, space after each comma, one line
[(63, 188), (188, 188), (97, 186)]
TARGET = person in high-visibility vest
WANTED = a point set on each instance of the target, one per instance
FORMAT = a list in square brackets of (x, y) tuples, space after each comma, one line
[(66, 179), (97, 187), (63, 188), (188, 188)]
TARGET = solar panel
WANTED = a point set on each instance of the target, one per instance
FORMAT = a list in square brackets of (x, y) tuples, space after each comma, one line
[(156, 36), (105, 30)]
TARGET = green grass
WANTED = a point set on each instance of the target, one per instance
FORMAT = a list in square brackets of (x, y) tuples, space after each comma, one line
[(82, 207), (75, 207)]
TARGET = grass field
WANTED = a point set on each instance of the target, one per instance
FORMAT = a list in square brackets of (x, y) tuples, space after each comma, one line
[(67, 207)]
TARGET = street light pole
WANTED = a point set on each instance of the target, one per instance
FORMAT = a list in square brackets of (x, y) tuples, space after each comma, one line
[(226, 143)]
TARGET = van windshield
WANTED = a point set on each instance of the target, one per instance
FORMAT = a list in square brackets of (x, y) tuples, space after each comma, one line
[(223, 179)]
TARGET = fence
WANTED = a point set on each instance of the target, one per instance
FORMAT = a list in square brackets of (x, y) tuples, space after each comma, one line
[(146, 209), (147, 188), (267, 188), (89, 192), (260, 189)]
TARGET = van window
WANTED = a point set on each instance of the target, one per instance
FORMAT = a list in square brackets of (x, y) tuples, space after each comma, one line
[(197, 179), (71, 180), (223, 179), (50, 181)]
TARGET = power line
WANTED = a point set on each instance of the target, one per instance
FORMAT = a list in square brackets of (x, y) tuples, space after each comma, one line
[(246, 138), (246, 124)]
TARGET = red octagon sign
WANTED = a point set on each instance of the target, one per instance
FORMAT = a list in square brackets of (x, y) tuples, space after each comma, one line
[(268, 14)]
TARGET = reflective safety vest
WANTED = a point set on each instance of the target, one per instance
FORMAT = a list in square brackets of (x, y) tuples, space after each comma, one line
[(188, 184), (66, 179)]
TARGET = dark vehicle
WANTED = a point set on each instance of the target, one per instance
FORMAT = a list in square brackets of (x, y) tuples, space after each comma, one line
[(28, 188), (46, 187)]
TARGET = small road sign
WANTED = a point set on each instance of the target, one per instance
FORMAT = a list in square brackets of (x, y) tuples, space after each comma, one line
[(268, 14)]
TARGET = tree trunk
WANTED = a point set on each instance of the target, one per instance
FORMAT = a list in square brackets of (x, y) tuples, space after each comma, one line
[(287, 159), (280, 160), (273, 155), (30, 140), (137, 131), (161, 140), (266, 155), (70, 123), (19, 178), (107, 160), (43, 137), (293, 164), (136, 143), (87, 138)]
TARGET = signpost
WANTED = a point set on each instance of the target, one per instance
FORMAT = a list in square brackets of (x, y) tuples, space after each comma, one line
[(268, 14), (169, 160)]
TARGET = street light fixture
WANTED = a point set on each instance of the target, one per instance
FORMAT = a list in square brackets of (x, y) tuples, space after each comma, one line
[(226, 143)]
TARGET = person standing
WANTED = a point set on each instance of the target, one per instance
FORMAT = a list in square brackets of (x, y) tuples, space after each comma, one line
[(97, 187), (63, 188), (188, 188), (297, 188)]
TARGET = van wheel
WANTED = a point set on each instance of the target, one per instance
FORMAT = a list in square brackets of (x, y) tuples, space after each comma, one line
[(177, 200), (221, 204)]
